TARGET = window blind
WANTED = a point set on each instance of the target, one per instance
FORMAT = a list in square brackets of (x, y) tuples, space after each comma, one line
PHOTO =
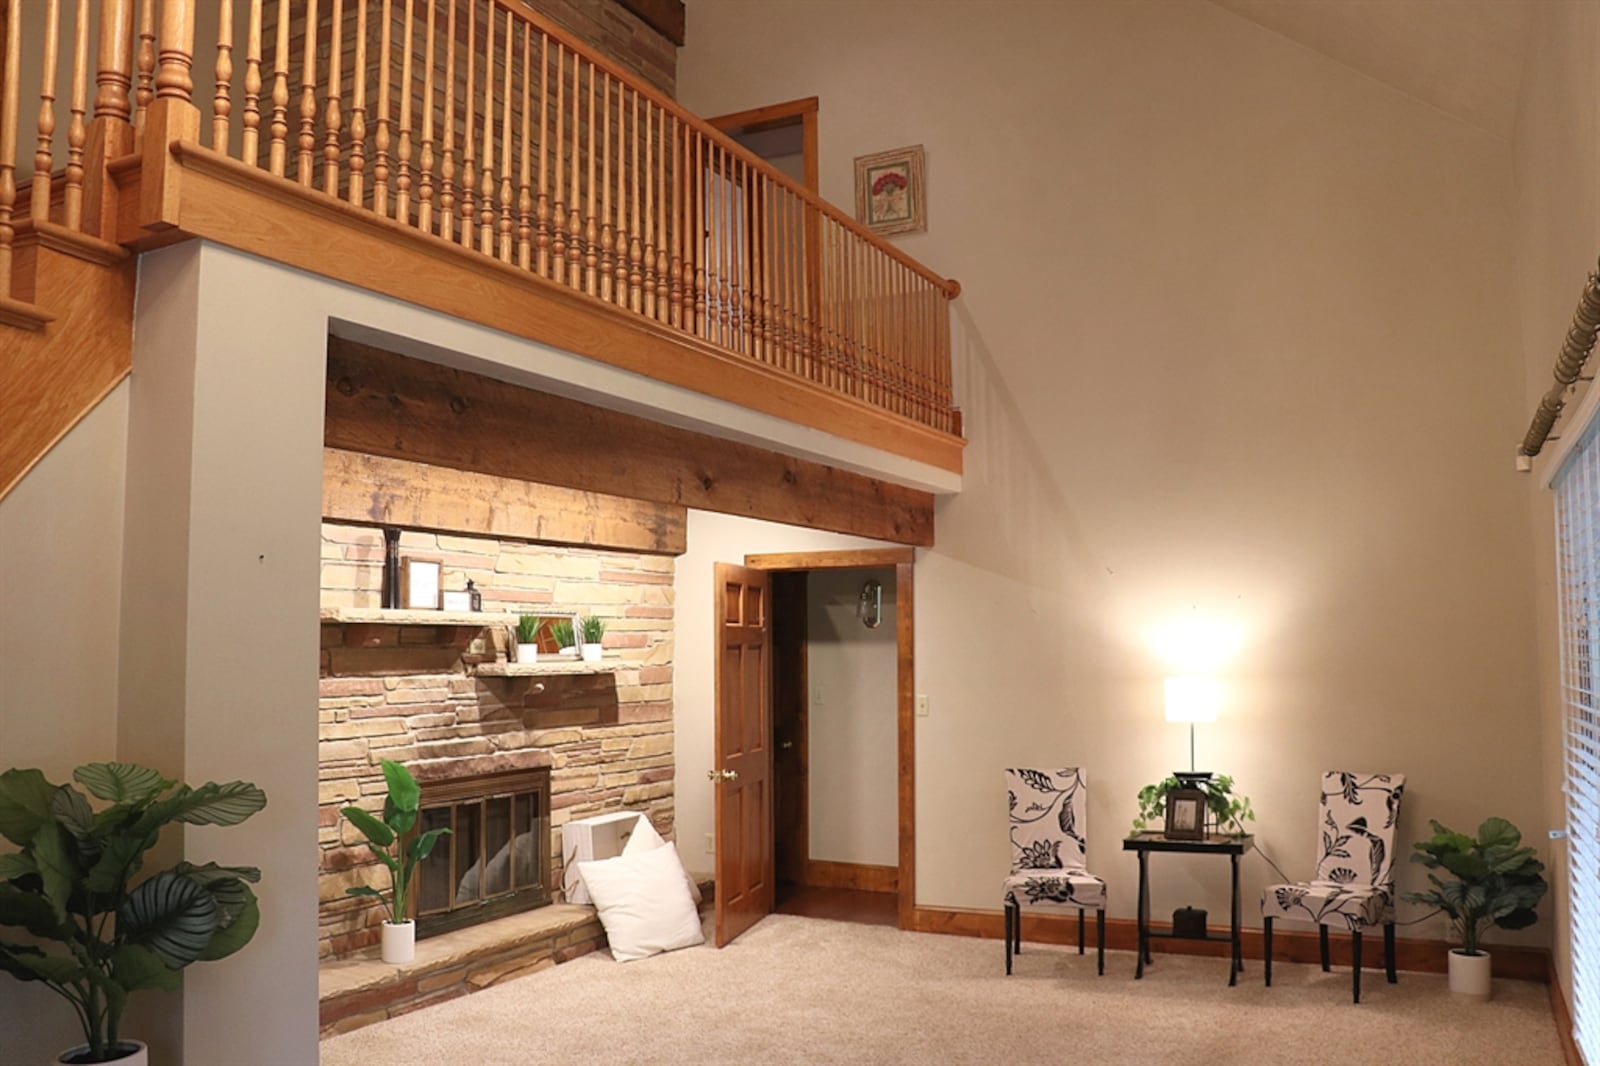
[(1578, 560)]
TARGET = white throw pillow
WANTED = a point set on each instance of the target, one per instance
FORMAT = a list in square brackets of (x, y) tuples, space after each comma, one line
[(643, 902), (645, 838)]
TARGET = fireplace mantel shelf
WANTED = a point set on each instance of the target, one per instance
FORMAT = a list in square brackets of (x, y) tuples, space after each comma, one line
[(393, 617), (549, 666)]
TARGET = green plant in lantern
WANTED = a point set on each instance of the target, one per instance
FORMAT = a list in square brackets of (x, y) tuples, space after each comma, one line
[(72, 885), (1228, 811)]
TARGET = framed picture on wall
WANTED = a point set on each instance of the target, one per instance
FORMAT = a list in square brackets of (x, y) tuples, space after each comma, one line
[(1186, 814), (891, 191), (420, 583)]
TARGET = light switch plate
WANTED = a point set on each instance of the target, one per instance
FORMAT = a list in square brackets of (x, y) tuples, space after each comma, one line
[(922, 706)]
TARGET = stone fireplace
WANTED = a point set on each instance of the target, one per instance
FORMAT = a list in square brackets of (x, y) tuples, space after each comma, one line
[(509, 756)]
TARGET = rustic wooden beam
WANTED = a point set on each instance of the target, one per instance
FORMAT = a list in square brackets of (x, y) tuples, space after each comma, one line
[(849, 559), (373, 490), (666, 17), (385, 404)]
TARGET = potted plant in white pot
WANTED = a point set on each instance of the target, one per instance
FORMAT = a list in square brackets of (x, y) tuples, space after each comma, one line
[(594, 630), (1498, 882), (72, 885), (393, 842), (528, 638)]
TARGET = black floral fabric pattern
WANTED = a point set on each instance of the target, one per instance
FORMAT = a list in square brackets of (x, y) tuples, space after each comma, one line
[(1048, 841), (1354, 881)]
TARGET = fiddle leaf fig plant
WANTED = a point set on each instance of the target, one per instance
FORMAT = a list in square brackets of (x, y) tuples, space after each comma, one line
[(72, 886), (389, 838), (1497, 880), (1228, 811)]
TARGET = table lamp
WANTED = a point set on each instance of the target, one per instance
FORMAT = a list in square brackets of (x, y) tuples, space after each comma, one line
[(1192, 698)]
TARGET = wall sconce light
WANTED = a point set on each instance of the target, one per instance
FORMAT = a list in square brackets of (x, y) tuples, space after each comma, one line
[(869, 608), (1192, 698)]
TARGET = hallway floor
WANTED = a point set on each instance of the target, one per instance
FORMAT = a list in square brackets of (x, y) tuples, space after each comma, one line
[(838, 904)]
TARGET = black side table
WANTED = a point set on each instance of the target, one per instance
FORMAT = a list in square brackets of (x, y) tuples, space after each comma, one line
[(1214, 844)]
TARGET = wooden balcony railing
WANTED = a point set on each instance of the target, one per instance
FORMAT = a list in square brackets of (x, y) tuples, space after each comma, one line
[(479, 124)]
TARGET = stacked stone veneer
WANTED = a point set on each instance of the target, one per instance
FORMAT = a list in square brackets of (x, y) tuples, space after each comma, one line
[(410, 693)]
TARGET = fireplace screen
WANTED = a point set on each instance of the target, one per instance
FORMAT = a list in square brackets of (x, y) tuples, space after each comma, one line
[(496, 858)]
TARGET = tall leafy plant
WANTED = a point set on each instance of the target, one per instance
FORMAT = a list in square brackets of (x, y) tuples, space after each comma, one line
[(391, 839), (72, 886), (1498, 881)]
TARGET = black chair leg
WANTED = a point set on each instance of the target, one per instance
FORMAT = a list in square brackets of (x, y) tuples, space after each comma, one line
[(1016, 929), (1009, 919), (1080, 930), (1355, 965), (1322, 941), (1388, 952), (1266, 949), (1100, 940)]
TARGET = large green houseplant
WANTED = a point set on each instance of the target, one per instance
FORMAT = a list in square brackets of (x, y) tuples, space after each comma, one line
[(393, 840), (1497, 882), (72, 886)]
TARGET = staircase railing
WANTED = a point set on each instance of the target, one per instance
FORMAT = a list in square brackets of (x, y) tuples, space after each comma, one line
[(479, 123)]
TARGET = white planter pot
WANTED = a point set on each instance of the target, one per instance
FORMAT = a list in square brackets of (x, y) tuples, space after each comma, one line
[(527, 653), (138, 1054), (1469, 974), (591, 653), (399, 942)]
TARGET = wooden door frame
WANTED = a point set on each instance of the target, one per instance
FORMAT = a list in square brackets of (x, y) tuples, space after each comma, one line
[(903, 560), (802, 113)]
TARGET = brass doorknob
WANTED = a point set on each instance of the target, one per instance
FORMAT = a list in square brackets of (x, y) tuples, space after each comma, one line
[(730, 775), (712, 775)]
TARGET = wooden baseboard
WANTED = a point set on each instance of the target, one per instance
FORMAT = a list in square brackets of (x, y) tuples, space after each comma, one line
[(1563, 1014), (1288, 945), (820, 873)]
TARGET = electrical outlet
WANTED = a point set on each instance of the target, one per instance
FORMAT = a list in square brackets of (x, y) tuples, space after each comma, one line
[(711, 843), (922, 706)]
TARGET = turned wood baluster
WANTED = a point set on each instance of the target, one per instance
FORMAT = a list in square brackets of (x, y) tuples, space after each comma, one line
[(144, 66), (358, 114), (941, 321), (77, 132), (39, 205), (506, 207), (486, 185), (278, 128), (746, 238), (541, 211), (469, 147), (174, 50), (380, 126), (827, 349), (425, 158), (635, 243), (574, 220), (524, 180), (697, 247), (727, 309), (675, 232), (306, 142), (608, 236), (558, 203), (620, 263), (591, 236), (663, 294), (113, 74), (447, 160), (250, 123), (222, 100), (647, 178), (10, 95), (333, 120)]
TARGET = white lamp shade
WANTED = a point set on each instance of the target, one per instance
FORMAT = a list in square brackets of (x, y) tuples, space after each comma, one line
[(1192, 698)]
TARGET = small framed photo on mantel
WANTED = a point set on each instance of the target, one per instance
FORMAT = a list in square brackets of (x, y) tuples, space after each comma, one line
[(1186, 815), (421, 584), (891, 191)]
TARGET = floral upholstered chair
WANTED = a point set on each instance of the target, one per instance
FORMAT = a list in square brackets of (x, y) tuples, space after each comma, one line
[(1354, 883), (1048, 838)]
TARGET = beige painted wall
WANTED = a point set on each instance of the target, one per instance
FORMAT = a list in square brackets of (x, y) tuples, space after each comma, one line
[(60, 590), (1557, 155), (852, 724), (1235, 343)]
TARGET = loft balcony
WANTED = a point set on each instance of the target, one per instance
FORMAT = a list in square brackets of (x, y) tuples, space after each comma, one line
[(465, 156)]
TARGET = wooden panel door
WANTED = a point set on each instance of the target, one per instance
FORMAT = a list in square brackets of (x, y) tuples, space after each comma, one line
[(743, 769)]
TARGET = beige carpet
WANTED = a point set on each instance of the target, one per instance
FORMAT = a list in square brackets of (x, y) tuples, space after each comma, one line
[(806, 990)]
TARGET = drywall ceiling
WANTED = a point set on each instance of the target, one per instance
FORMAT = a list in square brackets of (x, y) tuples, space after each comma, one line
[(1464, 57)]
